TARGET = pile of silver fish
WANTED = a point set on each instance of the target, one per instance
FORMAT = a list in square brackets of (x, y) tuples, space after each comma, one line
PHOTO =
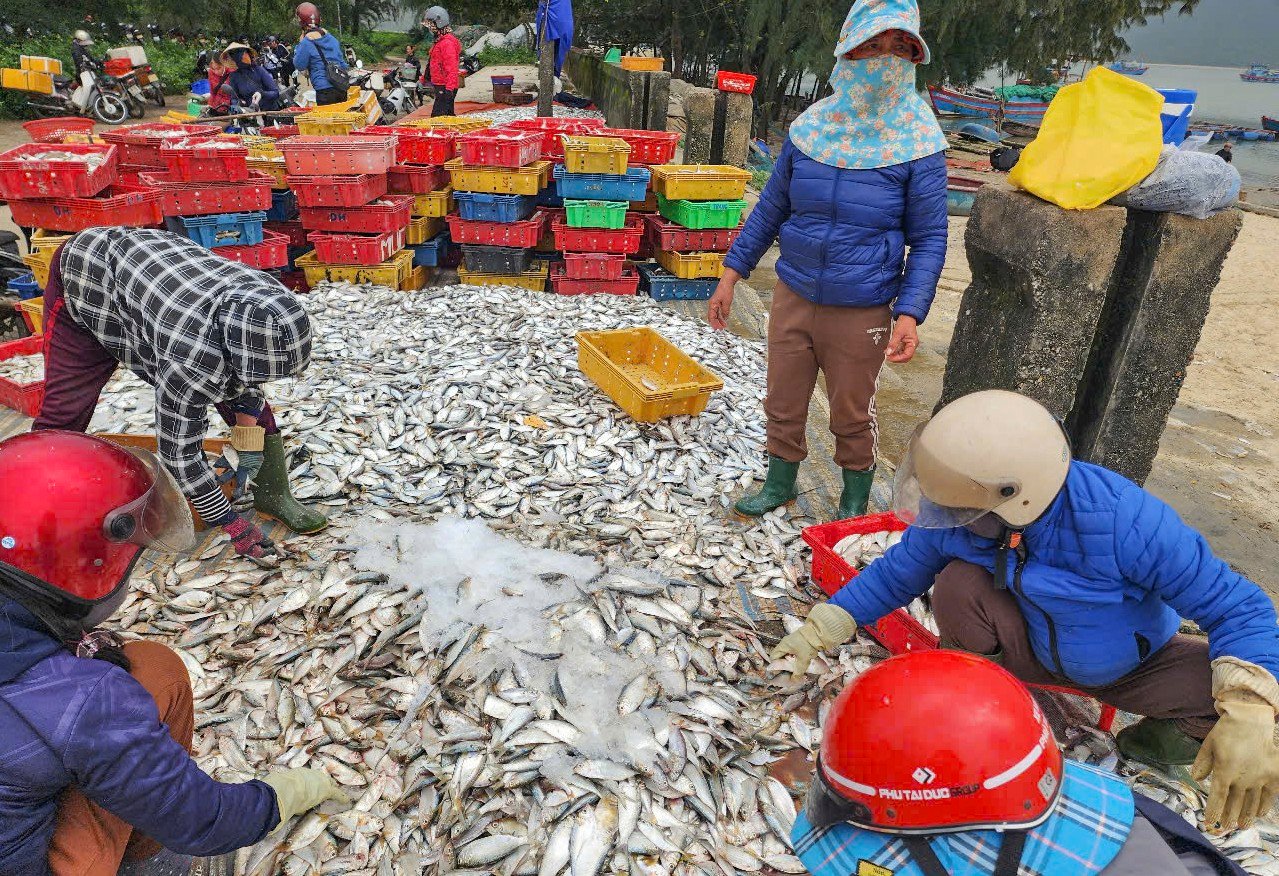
[(502, 116), (23, 369)]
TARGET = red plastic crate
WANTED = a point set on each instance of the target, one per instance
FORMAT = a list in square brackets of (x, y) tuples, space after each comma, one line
[(293, 230), (22, 177), (337, 191), (417, 145), (198, 159), (384, 214), (647, 147), (667, 235), (313, 155), (415, 179), (500, 147), (22, 397), (182, 198), (117, 66), (140, 144), (54, 129), (523, 234), (279, 132), (738, 83), (271, 253), (563, 284), (294, 281), (355, 249), (594, 266), (623, 240), (116, 206), (551, 129)]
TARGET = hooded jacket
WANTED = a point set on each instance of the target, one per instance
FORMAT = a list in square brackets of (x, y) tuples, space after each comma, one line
[(254, 79), (68, 721), (311, 55)]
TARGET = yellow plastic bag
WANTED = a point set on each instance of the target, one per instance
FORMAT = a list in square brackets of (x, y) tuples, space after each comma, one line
[(1100, 137)]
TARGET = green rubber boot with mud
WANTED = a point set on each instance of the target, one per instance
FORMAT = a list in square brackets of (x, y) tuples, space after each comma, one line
[(856, 495), (1157, 742), (778, 489), (272, 496)]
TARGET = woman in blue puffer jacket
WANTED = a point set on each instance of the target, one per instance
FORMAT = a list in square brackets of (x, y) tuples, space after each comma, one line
[(861, 179)]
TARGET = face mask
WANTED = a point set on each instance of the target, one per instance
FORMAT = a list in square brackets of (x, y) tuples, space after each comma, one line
[(871, 81)]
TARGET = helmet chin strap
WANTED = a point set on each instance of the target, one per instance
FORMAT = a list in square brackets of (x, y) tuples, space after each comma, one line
[(1006, 864)]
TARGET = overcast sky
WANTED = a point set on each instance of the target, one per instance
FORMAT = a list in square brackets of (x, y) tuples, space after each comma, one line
[(1225, 33)]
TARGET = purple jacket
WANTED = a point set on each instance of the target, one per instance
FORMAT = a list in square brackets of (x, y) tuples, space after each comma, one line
[(69, 721)]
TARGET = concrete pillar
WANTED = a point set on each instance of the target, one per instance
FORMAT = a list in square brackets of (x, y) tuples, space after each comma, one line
[(658, 101), (734, 118), (699, 113)]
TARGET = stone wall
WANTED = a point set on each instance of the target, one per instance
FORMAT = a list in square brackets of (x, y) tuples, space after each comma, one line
[(628, 99)]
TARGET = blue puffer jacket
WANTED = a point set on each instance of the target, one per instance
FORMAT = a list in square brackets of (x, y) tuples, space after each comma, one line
[(65, 720), (843, 233), (311, 55), (1110, 570)]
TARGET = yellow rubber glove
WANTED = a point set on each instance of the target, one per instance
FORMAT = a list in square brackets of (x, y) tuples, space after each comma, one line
[(301, 790), (828, 626), (1240, 751)]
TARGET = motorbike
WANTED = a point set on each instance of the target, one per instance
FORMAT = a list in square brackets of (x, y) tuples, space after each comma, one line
[(127, 87), (408, 77), (93, 94)]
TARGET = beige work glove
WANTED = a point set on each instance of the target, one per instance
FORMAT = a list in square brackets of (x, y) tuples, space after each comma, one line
[(828, 626), (1240, 751), (301, 790)]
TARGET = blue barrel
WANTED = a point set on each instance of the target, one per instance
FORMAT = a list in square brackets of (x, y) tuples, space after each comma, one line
[(1179, 106)]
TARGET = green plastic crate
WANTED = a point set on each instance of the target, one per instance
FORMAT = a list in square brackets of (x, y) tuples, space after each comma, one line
[(701, 215), (597, 214)]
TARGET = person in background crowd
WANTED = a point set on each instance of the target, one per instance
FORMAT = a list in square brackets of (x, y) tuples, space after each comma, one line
[(81, 58), (315, 52), (1227, 152), (936, 763), (444, 68), (412, 59), (861, 179), (251, 84), (97, 769), (220, 91), (1066, 573)]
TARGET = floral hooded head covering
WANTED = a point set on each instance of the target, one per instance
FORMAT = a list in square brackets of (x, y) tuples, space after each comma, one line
[(875, 118)]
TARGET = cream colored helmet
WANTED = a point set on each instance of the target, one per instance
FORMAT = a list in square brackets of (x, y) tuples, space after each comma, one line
[(991, 452)]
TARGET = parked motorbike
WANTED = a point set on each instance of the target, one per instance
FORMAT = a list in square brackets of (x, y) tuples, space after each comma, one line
[(84, 97), (127, 87)]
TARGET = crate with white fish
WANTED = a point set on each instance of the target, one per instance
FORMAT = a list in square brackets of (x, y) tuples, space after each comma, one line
[(22, 375), (647, 375)]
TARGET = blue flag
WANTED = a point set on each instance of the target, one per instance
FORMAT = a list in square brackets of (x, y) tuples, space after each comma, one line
[(559, 27)]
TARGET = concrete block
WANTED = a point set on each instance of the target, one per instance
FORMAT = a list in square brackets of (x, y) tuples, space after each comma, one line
[(1040, 281), (737, 118), (657, 101), (699, 113), (1150, 326)]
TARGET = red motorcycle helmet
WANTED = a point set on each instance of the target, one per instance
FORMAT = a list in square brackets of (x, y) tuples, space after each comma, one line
[(936, 742), (75, 512), (308, 15)]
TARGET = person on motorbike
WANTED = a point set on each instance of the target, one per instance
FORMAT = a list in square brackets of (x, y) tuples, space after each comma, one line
[(445, 63), (81, 57), (315, 51), (250, 82)]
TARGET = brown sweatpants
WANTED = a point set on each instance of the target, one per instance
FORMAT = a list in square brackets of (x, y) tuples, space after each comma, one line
[(1174, 682), (847, 345), (88, 840)]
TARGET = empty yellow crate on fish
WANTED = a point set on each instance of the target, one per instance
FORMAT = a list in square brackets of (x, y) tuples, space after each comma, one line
[(420, 279), (50, 240), (527, 180), (461, 124), (700, 182), (40, 261), (434, 205), (33, 311), (692, 265), (40, 64), (533, 279), (641, 64), (422, 229), (330, 124), (396, 272), (648, 376), (26, 80), (608, 155)]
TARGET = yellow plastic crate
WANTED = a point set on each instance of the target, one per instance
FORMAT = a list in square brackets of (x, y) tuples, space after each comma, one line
[(461, 124), (40, 64), (420, 279), (396, 272), (50, 240), (534, 279), (32, 310), (433, 205), (40, 261), (261, 147), (330, 124), (423, 229), (641, 64), (26, 80), (275, 167), (648, 376), (608, 155), (527, 180), (692, 265), (700, 182)]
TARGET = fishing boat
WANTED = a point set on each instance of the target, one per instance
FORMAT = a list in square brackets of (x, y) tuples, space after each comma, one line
[(960, 194), (983, 104), (1269, 124), (1129, 68), (1260, 73)]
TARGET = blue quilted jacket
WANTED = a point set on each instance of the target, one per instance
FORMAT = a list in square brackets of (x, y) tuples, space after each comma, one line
[(66, 720), (1110, 571), (843, 233)]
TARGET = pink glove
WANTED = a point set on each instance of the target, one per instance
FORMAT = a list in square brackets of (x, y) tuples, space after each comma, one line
[(248, 540)]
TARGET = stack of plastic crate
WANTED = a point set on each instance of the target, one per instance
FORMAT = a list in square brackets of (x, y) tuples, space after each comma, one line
[(282, 219), (358, 230), (420, 156), (496, 181), (700, 210), (552, 131)]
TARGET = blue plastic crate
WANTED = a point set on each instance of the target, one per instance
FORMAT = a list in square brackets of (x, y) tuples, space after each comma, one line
[(549, 197), (480, 207), (25, 287), (431, 253), (603, 187), (284, 206), (223, 229), (662, 286)]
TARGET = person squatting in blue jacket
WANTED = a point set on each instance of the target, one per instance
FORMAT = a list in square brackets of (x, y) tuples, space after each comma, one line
[(97, 732), (1066, 573), (861, 178), (249, 82)]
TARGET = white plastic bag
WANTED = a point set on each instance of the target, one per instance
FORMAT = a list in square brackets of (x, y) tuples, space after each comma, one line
[(1195, 184)]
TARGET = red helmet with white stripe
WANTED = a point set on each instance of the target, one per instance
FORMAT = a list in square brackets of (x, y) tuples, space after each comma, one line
[(935, 742)]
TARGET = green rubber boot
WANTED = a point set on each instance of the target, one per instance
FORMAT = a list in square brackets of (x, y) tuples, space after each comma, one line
[(1157, 742), (272, 496), (778, 489), (856, 495)]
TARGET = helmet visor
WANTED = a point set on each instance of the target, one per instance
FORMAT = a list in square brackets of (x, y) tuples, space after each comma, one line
[(160, 518), (956, 502)]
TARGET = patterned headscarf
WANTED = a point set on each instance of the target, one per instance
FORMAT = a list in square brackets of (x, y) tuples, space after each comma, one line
[(875, 118)]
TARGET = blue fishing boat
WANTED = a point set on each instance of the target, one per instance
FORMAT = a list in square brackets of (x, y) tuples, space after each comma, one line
[(960, 194), (1129, 68), (983, 104), (1260, 73), (1270, 124)]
